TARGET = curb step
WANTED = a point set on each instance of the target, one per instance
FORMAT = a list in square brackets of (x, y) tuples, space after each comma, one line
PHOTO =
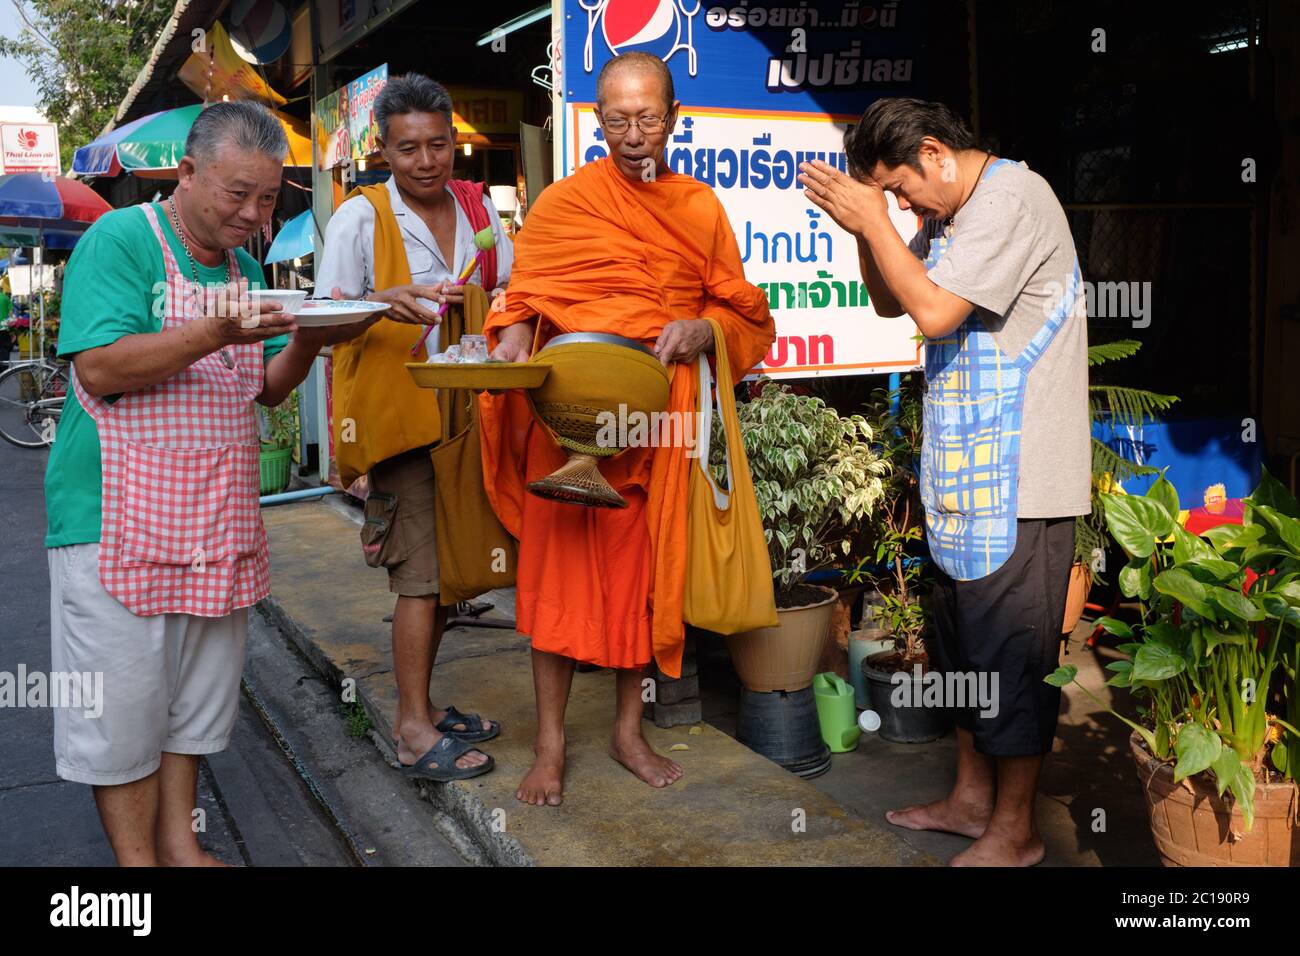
[(462, 819), (344, 830)]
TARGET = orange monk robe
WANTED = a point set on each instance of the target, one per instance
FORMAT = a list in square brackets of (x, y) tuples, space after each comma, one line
[(602, 253)]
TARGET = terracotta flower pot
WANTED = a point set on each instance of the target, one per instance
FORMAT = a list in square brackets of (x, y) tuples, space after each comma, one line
[(784, 657), (835, 653), (1195, 827), (1080, 583)]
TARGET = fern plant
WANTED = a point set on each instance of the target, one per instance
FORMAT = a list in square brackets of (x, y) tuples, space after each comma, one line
[(1118, 405)]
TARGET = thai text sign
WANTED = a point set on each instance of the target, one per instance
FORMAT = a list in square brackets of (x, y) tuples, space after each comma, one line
[(486, 111), (333, 144), (763, 90), (363, 129)]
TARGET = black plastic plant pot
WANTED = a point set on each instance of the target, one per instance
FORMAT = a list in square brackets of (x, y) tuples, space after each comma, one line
[(905, 724), (782, 726)]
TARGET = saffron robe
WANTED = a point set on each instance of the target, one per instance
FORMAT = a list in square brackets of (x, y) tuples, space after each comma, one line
[(603, 253)]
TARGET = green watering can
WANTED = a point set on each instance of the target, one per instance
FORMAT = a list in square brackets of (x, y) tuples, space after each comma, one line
[(835, 713)]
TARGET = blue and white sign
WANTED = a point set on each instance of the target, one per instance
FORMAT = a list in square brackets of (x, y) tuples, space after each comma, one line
[(764, 87)]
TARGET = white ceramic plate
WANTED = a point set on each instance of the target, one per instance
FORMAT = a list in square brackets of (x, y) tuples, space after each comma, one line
[(318, 312)]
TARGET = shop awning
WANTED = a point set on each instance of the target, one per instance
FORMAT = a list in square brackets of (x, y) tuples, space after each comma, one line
[(153, 145), (220, 71), (296, 239)]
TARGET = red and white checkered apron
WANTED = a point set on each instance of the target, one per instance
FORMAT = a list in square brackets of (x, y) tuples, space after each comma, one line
[(181, 531)]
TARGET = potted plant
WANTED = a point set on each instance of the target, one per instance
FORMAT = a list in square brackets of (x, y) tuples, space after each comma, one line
[(897, 569), (1213, 659), (1119, 405), (277, 445), (20, 327), (817, 478)]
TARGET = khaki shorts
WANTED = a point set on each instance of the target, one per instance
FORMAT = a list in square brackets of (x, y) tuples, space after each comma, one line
[(168, 682), (398, 530)]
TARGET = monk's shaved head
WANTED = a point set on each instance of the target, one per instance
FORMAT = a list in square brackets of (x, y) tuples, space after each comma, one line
[(626, 63)]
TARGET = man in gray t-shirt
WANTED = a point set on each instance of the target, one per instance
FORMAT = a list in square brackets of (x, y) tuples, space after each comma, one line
[(992, 282), (1013, 259)]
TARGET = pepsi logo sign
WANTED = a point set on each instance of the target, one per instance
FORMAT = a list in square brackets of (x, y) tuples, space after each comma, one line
[(659, 27)]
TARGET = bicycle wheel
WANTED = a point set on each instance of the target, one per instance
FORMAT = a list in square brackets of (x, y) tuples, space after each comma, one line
[(31, 402)]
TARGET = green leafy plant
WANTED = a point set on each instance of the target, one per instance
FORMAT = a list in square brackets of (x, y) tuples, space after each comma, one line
[(53, 305), (1119, 405), (356, 718), (895, 528), (282, 424), (1217, 639), (816, 476)]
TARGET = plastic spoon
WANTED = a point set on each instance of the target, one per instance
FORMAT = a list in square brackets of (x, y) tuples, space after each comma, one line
[(484, 240)]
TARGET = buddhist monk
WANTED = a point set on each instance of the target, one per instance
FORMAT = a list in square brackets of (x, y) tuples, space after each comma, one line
[(628, 247)]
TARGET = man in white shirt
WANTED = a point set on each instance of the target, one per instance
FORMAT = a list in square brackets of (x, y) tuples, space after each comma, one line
[(348, 261), (393, 424)]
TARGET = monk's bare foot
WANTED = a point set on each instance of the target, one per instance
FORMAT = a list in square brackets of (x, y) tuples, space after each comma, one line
[(995, 849), (632, 751), (947, 816), (543, 785)]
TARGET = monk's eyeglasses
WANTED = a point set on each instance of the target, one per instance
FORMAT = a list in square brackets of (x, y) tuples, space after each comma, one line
[(646, 124)]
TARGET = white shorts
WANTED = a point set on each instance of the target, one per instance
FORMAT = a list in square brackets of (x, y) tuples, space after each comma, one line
[(169, 682)]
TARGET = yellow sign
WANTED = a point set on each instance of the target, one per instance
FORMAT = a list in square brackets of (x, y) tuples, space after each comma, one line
[(214, 70)]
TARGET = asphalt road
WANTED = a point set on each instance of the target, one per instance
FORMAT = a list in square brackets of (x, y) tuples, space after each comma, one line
[(292, 789)]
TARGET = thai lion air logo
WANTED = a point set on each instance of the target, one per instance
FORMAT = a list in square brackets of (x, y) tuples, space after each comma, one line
[(28, 138), (656, 26)]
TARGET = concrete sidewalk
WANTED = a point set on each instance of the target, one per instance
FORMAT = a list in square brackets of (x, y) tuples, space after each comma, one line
[(732, 807)]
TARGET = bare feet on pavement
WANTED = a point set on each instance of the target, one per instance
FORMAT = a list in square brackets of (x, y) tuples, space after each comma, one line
[(946, 815), (543, 785), (635, 754), (994, 849)]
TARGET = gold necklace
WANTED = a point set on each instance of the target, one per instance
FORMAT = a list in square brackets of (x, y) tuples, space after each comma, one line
[(194, 268)]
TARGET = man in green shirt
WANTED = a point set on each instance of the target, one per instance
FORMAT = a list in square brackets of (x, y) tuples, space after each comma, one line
[(110, 290), (156, 549)]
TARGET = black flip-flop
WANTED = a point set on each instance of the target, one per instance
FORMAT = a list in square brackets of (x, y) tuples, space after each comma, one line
[(473, 732), (444, 754)]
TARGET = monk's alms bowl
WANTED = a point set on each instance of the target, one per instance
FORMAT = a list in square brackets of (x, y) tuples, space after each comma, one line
[(596, 380)]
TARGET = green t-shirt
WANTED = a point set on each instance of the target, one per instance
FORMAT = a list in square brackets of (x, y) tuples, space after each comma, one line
[(108, 292)]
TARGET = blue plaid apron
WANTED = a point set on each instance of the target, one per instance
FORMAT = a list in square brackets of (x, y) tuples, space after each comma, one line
[(970, 449)]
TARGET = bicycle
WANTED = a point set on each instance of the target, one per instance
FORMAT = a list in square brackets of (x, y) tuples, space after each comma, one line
[(31, 401)]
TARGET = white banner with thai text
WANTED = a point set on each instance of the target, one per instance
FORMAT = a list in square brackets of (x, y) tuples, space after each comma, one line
[(805, 263)]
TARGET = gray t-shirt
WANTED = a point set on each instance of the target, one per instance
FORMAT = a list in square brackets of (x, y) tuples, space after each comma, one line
[(1012, 255)]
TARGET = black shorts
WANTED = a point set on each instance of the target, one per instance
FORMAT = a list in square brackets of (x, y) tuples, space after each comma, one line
[(1006, 627)]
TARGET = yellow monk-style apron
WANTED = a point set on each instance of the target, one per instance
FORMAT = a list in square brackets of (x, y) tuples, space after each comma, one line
[(379, 411)]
